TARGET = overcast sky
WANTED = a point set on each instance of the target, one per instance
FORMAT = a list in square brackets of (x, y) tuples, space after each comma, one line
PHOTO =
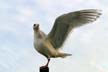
[(88, 44)]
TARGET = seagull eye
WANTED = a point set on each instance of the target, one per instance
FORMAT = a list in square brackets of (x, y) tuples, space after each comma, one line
[(34, 25)]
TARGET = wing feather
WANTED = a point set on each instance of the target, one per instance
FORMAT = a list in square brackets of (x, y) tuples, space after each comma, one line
[(65, 23)]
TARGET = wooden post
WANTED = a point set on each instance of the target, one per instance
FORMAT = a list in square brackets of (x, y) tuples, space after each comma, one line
[(44, 69)]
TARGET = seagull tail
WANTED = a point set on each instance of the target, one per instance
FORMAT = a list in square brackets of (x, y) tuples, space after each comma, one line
[(63, 55)]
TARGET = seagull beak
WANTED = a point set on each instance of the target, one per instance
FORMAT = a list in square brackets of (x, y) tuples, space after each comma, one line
[(36, 27)]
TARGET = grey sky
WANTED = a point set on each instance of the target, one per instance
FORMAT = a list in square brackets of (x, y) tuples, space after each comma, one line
[(88, 44)]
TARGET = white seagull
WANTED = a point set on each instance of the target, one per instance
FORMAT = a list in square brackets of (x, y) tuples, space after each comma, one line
[(49, 45)]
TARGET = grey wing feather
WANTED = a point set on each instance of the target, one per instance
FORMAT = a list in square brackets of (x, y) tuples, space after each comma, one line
[(65, 23)]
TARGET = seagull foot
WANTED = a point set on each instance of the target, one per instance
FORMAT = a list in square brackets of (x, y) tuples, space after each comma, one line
[(43, 67)]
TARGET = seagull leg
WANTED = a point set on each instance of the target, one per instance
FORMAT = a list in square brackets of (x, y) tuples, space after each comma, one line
[(46, 63)]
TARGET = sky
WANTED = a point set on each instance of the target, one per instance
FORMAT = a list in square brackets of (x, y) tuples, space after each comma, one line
[(88, 44)]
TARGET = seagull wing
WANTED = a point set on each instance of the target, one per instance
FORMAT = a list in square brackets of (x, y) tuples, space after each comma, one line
[(65, 23)]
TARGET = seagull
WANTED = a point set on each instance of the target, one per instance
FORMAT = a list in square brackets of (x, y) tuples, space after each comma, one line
[(49, 45)]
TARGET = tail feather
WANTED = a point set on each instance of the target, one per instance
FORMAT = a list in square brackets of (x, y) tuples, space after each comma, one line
[(63, 55)]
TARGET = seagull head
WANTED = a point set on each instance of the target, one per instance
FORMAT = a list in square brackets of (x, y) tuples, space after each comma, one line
[(36, 27)]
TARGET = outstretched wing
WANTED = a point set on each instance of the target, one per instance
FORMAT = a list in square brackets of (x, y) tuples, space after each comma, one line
[(65, 23)]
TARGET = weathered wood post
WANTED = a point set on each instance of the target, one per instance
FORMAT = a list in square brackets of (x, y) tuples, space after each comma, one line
[(44, 69)]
